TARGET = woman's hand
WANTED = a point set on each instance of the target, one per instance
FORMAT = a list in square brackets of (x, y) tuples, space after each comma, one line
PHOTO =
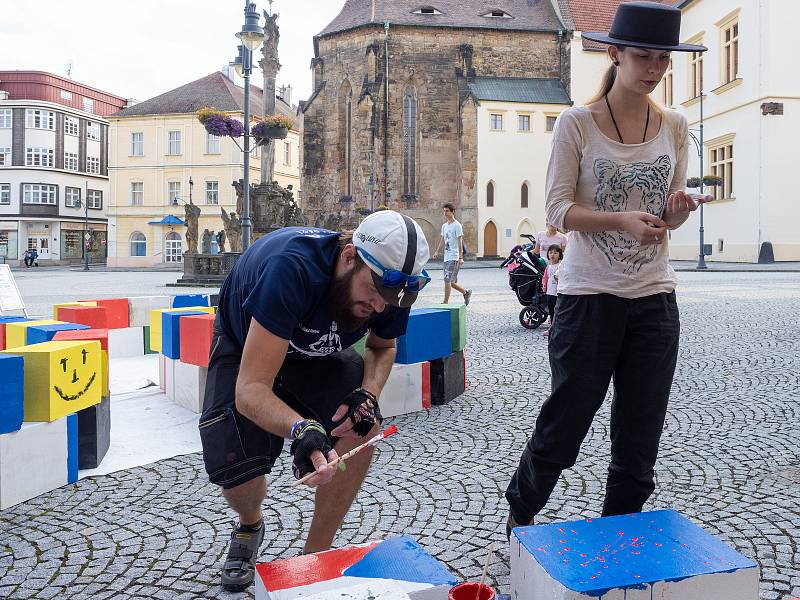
[(648, 229), (680, 205)]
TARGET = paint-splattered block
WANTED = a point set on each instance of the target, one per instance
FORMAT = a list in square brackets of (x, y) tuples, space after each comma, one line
[(190, 386), (407, 390), (38, 458), (60, 378), (190, 300), (117, 311), (95, 317), (657, 554), (156, 324), (447, 378), (427, 336), (94, 434), (196, 332), (139, 309), (394, 569), (126, 342), (36, 334), (17, 334), (5, 321), (12, 392)]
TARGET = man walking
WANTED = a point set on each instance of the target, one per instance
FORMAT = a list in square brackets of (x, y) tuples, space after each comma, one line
[(281, 367), (453, 240)]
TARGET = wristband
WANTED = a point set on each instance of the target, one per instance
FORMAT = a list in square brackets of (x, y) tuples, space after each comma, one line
[(301, 426)]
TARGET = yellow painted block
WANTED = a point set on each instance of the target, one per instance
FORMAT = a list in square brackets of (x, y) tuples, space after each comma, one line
[(61, 378), (155, 322), (63, 304), (18, 335), (105, 371)]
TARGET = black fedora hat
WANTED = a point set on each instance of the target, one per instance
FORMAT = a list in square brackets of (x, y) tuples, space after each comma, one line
[(645, 25)]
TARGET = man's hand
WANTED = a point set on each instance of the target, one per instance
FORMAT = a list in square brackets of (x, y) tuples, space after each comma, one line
[(648, 229), (312, 451), (680, 205), (460, 261), (360, 413)]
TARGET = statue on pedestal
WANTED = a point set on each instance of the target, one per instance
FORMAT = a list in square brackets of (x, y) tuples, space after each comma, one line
[(221, 241), (205, 245), (233, 230), (192, 212)]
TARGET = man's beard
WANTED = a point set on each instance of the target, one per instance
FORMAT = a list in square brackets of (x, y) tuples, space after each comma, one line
[(341, 302)]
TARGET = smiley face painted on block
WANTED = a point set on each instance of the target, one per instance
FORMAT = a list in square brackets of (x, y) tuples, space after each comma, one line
[(81, 379)]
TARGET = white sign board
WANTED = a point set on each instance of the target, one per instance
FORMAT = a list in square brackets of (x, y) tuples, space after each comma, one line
[(10, 298)]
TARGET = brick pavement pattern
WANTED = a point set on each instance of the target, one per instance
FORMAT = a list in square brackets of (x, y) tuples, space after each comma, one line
[(729, 461)]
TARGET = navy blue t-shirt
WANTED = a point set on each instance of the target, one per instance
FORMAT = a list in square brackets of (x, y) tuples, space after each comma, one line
[(282, 281)]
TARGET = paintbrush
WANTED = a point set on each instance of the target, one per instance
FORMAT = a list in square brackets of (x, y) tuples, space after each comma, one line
[(485, 571), (392, 429)]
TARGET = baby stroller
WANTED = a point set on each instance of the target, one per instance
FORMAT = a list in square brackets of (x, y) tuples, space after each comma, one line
[(526, 272)]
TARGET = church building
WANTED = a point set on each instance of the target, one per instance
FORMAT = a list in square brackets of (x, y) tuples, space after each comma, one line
[(393, 119)]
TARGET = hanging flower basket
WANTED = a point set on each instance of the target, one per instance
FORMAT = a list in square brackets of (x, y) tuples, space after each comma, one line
[(218, 123), (693, 182), (275, 127), (712, 180)]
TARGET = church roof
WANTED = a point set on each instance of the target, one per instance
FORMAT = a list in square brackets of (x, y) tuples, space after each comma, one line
[(533, 90), (591, 15), (530, 15)]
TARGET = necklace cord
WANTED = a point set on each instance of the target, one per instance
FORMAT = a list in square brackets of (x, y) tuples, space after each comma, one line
[(613, 120)]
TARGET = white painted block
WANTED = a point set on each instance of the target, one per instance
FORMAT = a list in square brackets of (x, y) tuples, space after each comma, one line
[(190, 386), (631, 557), (407, 390), (35, 460), (169, 377), (125, 343), (141, 306)]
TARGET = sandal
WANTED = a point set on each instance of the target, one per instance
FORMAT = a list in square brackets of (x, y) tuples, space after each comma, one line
[(239, 569)]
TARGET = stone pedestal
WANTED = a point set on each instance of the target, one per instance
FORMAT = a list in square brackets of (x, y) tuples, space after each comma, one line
[(207, 268)]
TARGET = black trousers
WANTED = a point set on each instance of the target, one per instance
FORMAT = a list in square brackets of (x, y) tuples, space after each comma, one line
[(596, 338)]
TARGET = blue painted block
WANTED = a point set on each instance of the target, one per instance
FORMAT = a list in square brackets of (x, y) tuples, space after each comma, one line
[(72, 448), (190, 300), (171, 332), (45, 333), (656, 554), (402, 559), (427, 336), (12, 392)]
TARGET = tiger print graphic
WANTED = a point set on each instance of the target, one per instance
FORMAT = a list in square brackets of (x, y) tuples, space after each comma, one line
[(639, 186)]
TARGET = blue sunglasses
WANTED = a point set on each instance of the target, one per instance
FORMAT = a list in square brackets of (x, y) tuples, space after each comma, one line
[(392, 278)]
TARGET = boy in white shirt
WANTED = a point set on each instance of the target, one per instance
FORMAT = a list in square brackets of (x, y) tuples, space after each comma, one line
[(453, 241)]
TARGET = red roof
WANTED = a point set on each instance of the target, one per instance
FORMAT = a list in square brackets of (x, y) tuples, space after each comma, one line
[(591, 15)]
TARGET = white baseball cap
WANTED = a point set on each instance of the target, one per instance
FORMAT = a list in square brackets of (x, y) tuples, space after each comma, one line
[(396, 242)]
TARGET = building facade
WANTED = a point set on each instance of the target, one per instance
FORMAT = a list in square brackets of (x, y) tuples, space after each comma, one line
[(515, 120), (54, 183), (162, 158), (392, 120), (750, 92)]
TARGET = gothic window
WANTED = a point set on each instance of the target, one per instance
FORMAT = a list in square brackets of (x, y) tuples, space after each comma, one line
[(523, 202), (490, 194), (346, 141), (410, 147)]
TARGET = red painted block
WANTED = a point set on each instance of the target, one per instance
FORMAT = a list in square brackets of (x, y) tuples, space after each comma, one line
[(426, 385), (196, 332), (117, 312), (95, 317), (101, 335)]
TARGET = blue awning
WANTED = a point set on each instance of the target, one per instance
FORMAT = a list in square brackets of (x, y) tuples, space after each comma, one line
[(168, 220)]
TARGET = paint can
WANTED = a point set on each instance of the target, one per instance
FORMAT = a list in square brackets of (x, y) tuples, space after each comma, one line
[(469, 591)]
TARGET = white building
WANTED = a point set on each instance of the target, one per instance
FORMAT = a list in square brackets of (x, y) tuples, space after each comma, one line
[(53, 167), (750, 84), (515, 122)]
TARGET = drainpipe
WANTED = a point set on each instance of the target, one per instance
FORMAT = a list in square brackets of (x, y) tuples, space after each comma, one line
[(386, 117)]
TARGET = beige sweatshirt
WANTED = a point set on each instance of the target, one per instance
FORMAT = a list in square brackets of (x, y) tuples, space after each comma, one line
[(590, 170)]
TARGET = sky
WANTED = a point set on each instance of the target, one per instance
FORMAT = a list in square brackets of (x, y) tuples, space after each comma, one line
[(143, 48)]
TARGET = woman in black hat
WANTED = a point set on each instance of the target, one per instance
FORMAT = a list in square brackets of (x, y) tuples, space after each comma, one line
[(616, 179)]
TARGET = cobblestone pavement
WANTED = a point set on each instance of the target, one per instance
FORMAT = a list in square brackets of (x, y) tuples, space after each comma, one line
[(729, 461)]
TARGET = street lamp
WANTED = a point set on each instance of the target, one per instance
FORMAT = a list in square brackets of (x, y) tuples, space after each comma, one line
[(191, 185), (251, 37), (700, 144), (86, 234)]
